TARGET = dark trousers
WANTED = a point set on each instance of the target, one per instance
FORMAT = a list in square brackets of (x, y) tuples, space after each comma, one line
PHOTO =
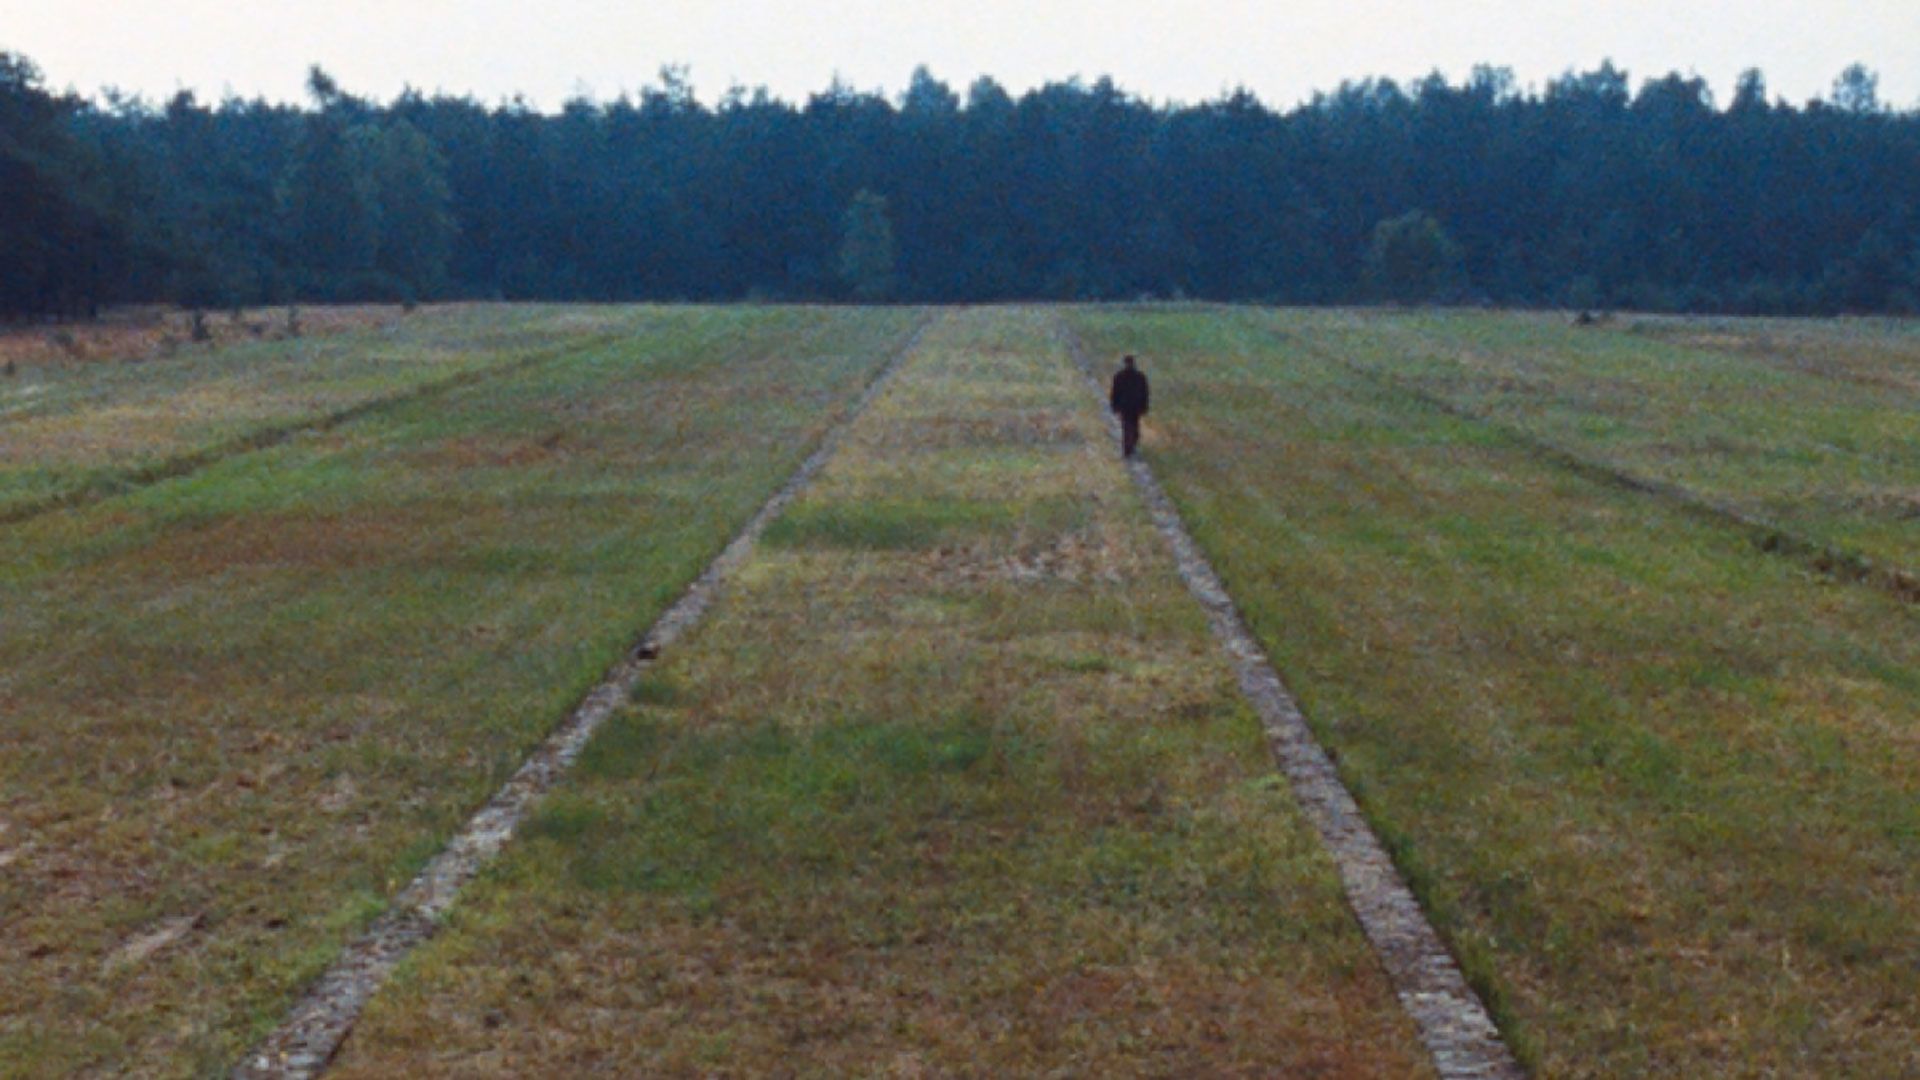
[(1129, 432)]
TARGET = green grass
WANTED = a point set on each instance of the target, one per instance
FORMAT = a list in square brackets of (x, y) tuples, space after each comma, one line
[(254, 700), (952, 781), (1811, 424), (104, 426), (1659, 789)]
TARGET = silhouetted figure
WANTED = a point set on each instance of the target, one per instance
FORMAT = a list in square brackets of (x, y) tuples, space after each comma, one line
[(1129, 402)]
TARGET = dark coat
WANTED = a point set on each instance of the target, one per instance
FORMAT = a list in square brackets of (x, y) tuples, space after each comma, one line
[(1129, 396)]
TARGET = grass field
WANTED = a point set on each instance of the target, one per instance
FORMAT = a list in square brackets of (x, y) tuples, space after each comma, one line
[(1659, 788), (242, 707), (83, 427), (1814, 426), (952, 779), (951, 782)]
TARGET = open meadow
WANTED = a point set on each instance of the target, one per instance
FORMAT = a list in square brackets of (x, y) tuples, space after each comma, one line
[(952, 782), (1658, 786), (116, 410), (952, 778), (1810, 427), (241, 706)]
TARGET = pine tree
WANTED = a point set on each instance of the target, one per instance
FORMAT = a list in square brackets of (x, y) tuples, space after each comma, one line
[(1411, 259), (866, 248), (408, 182), (330, 211)]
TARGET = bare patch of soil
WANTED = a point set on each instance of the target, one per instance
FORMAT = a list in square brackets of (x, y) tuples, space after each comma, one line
[(1076, 557)]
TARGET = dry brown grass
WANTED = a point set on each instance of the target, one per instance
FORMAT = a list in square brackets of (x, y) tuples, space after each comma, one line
[(160, 333), (154, 333)]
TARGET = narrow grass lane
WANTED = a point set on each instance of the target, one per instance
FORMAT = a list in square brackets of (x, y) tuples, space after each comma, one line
[(953, 781)]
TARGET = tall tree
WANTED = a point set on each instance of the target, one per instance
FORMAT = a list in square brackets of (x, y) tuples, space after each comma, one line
[(407, 181), (1857, 90), (1596, 189), (1411, 258), (330, 210), (62, 241), (867, 253)]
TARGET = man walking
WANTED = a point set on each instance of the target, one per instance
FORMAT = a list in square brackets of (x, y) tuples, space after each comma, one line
[(1129, 401)]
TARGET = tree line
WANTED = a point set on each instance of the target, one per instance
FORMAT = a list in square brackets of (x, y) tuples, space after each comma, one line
[(1588, 192)]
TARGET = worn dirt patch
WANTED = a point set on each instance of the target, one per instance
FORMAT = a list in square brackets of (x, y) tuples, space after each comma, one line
[(1904, 505), (163, 934), (475, 452), (1033, 428), (1084, 556), (333, 541)]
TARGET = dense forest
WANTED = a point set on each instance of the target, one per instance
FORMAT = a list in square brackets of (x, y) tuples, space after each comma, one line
[(1589, 193)]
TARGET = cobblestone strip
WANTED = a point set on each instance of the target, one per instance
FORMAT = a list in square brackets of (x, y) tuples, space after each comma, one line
[(318, 1023), (1453, 1023)]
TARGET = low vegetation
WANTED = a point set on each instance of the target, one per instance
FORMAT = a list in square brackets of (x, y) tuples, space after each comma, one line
[(1659, 789), (123, 406), (242, 707), (953, 781), (1814, 426)]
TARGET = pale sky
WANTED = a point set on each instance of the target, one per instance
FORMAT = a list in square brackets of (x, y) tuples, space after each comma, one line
[(1283, 50)]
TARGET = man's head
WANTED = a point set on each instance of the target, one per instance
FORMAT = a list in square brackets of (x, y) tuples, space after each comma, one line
[(1127, 362)]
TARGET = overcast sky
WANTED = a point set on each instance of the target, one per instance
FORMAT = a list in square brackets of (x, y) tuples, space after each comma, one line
[(1283, 50)]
